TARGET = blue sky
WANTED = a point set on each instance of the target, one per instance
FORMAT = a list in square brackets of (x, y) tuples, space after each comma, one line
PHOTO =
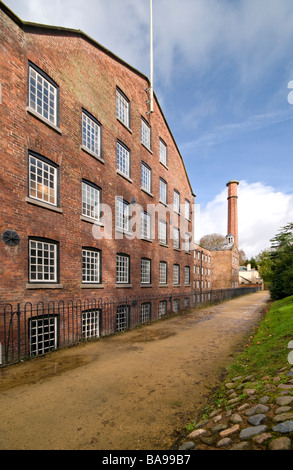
[(221, 74)]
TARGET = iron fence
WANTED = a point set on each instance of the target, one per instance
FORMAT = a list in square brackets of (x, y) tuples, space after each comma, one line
[(28, 330)]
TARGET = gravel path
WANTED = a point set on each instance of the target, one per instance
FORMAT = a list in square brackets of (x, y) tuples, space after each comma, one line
[(132, 391)]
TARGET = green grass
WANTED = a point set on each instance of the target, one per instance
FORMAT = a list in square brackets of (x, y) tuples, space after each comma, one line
[(266, 351)]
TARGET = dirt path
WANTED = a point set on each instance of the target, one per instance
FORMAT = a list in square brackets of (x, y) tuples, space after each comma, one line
[(133, 391)]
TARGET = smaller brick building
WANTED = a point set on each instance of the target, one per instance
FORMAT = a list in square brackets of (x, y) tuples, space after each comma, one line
[(219, 268)]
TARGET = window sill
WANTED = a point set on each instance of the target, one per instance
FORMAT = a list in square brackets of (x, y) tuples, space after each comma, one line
[(124, 125), (146, 285), (42, 119), (163, 244), (123, 232), (164, 285), (44, 286), (92, 286), (124, 176), (35, 202), (176, 249), (149, 240), (165, 166), (92, 154), (91, 221), (123, 286), (164, 203), (147, 192), (149, 150)]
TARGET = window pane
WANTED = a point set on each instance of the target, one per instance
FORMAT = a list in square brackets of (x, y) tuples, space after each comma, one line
[(176, 202), (146, 178), (90, 266), (145, 271), (122, 215), (42, 181), (91, 133), (42, 261), (163, 232), (122, 269), (145, 225), (163, 273), (145, 134), (123, 160), (90, 201), (163, 152), (42, 96), (163, 191), (122, 108)]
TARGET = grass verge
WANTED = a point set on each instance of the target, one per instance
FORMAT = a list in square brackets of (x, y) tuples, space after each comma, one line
[(267, 350)]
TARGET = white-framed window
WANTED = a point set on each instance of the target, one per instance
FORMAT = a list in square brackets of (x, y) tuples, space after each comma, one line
[(187, 210), (163, 191), (145, 134), (176, 201), (43, 180), (145, 312), (90, 323), (123, 159), (176, 274), (122, 269), (122, 215), (146, 177), (162, 152), (122, 108), (91, 266), (163, 232), (176, 238), (43, 261), (163, 272), (162, 308), (43, 334), (145, 271), (122, 317), (91, 200), (42, 94), (145, 220), (91, 133), (176, 305), (187, 243), (187, 275)]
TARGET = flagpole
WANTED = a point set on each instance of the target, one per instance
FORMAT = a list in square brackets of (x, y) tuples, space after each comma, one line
[(151, 60)]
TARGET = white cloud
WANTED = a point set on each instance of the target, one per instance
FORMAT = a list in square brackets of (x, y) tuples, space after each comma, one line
[(201, 34), (262, 212)]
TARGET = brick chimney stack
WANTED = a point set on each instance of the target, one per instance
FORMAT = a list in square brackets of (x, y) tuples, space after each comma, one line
[(233, 210)]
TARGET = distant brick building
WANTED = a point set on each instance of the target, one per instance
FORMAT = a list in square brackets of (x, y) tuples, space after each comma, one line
[(223, 269)]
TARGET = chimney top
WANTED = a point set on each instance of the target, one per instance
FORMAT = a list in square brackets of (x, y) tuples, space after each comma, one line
[(231, 182)]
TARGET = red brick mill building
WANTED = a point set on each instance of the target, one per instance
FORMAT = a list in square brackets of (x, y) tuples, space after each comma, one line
[(96, 206), (81, 154)]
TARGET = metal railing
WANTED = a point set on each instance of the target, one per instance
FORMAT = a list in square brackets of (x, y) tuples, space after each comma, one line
[(28, 330)]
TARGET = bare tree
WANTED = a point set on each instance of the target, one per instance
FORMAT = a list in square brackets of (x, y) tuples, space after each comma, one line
[(212, 241)]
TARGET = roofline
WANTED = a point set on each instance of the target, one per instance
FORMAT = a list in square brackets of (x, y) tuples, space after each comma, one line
[(28, 24)]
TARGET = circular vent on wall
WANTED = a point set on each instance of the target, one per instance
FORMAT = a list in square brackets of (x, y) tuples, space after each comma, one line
[(10, 238)]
